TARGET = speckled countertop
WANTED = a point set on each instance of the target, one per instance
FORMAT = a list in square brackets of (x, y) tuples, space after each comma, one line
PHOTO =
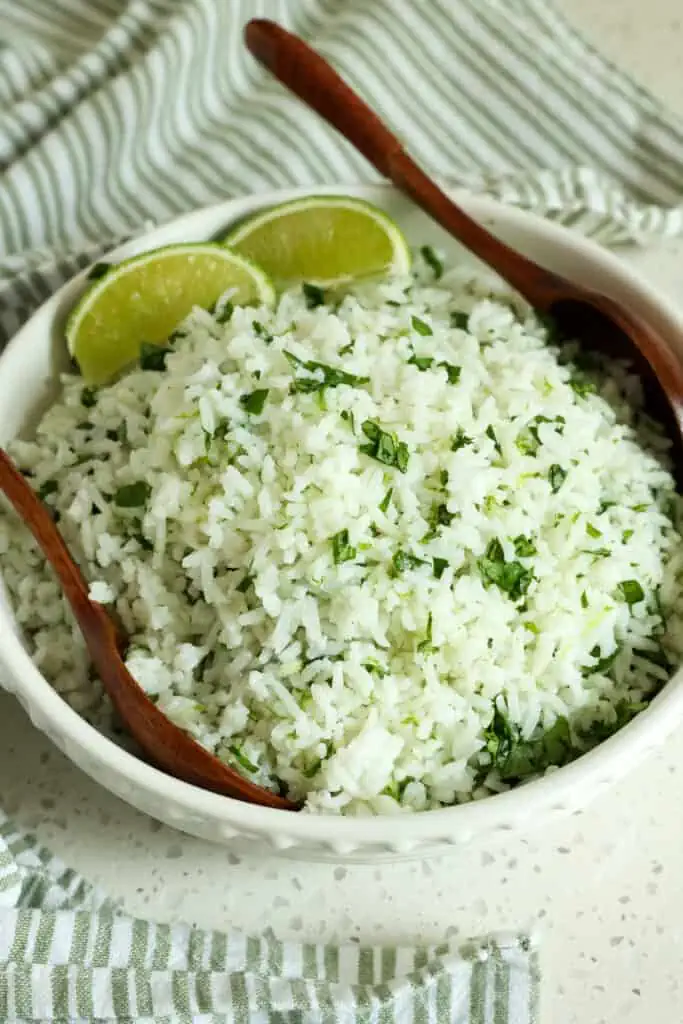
[(605, 888)]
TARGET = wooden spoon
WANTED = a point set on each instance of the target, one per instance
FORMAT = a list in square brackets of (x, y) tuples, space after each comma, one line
[(164, 743), (595, 320)]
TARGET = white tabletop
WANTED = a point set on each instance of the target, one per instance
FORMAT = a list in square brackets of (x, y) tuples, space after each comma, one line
[(604, 888)]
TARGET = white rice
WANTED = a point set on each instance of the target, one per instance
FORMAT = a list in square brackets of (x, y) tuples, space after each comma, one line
[(385, 681)]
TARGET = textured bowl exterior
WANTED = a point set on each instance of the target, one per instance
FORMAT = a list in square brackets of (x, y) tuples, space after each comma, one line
[(29, 368)]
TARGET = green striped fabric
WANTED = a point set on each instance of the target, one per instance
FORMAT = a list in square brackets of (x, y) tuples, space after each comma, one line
[(68, 954), (114, 113)]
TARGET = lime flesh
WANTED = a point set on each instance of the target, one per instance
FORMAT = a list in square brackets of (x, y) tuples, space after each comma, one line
[(144, 298), (322, 239)]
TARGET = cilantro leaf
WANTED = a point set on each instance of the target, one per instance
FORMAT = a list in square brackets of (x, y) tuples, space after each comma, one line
[(420, 326), (511, 577), (342, 551), (314, 295), (384, 446), (432, 260), (132, 495), (153, 357), (254, 402)]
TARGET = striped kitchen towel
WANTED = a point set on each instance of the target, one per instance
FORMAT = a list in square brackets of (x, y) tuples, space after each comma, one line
[(117, 112), (68, 954)]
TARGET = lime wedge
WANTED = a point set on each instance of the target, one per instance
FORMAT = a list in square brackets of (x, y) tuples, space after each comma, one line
[(144, 298), (322, 239)]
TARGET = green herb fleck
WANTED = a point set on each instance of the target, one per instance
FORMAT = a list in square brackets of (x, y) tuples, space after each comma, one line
[(460, 440), (452, 372), (254, 402), (593, 531), (132, 495), (385, 446), (49, 487), (261, 332), (631, 591), (326, 376), (524, 547), (88, 397), (225, 314), (426, 645), (556, 477), (403, 560), (584, 600), (242, 760), (490, 433), (511, 577), (602, 665), (420, 327), (386, 501), (439, 566), (460, 320), (581, 384), (432, 260), (374, 668), (153, 357), (314, 295), (422, 362), (626, 536), (244, 584), (341, 549), (347, 416)]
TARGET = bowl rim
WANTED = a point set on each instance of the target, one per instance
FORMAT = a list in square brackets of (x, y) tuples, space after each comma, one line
[(119, 770)]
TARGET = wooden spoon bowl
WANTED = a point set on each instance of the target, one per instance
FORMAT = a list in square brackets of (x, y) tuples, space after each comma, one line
[(167, 746)]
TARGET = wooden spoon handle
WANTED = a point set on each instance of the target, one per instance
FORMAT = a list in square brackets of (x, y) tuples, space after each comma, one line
[(313, 80), (91, 617)]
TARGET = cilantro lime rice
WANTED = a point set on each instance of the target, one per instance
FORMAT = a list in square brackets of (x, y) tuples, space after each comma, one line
[(390, 551)]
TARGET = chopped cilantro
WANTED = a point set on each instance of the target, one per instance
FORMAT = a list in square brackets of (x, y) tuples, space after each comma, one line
[(422, 362), (325, 376), (460, 320), (593, 531), (347, 416), (490, 433), (556, 477), (439, 566), (384, 446), (261, 332), (420, 327), (602, 665), (341, 549), (452, 372), (244, 584), (626, 536), (581, 384), (225, 314), (524, 547), (49, 487), (511, 577), (631, 591), (153, 357), (254, 401), (432, 260), (443, 477), (242, 760), (528, 441), (403, 560), (460, 440), (584, 600), (132, 495), (426, 645), (314, 295), (374, 668), (88, 397), (386, 501)]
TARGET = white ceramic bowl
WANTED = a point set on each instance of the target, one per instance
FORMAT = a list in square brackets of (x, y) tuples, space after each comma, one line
[(28, 370)]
